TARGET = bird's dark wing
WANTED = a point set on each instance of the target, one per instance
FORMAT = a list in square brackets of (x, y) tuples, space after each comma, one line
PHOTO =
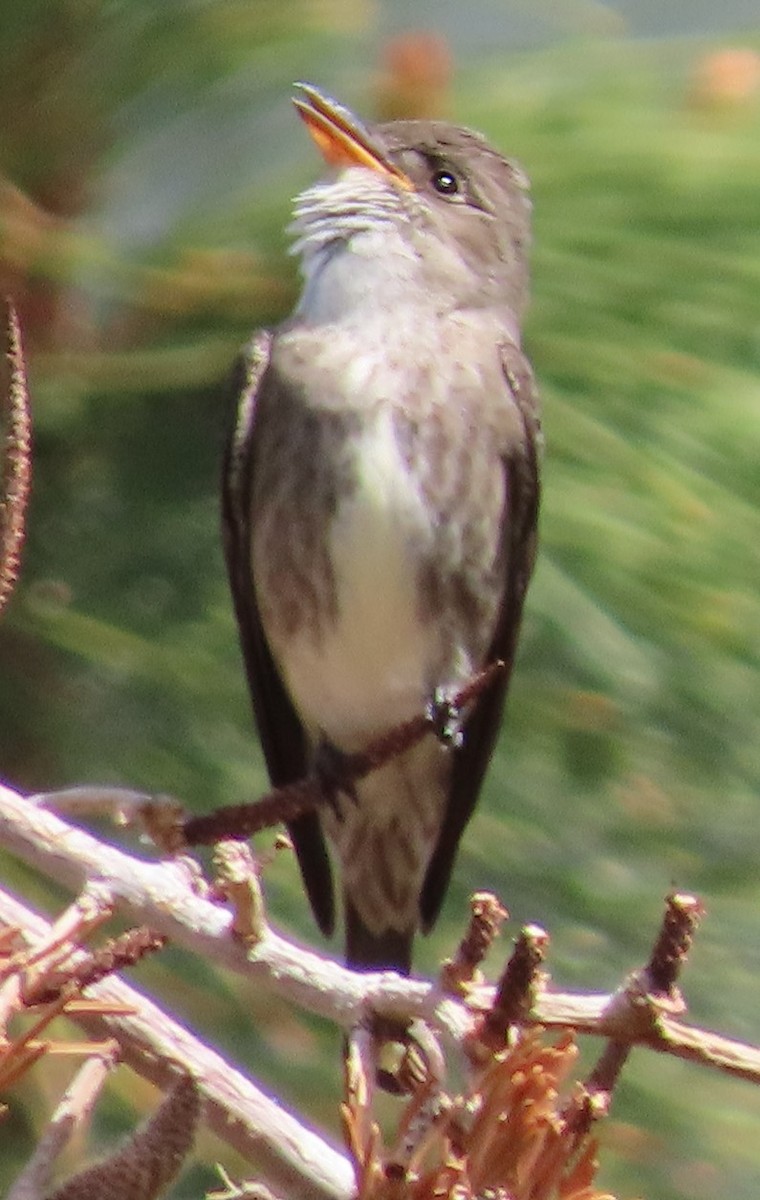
[(282, 735), (521, 471)]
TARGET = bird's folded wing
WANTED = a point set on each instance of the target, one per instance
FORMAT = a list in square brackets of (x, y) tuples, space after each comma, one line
[(521, 496), (282, 735)]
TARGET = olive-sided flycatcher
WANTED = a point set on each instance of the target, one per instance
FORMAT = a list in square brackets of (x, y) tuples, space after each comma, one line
[(380, 502)]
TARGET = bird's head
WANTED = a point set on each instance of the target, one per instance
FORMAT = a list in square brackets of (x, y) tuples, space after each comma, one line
[(449, 215)]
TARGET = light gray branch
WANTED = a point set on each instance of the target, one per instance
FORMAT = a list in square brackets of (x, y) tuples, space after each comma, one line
[(290, 1157), (161, 895), (73, 1111)]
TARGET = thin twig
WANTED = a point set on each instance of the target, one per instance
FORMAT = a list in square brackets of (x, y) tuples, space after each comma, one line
[(284, 804), (17, 465), (682, 916), (126, 950), (517, 990), (487, 915), (72, 1113)]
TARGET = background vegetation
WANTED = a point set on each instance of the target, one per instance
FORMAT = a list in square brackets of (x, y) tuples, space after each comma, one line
[(148, 154)]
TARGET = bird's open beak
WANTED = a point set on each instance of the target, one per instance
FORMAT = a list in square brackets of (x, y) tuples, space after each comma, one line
[(343, 141)]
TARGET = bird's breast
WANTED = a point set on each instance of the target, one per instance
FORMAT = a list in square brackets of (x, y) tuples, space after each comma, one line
[(372, 664)]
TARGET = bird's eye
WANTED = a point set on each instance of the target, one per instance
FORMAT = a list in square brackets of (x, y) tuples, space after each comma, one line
[(445, 182)]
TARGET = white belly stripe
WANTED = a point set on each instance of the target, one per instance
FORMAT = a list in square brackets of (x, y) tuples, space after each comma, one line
[(373, 668)]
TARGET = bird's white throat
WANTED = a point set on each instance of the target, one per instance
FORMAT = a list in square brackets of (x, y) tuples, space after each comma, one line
[(352, 236), (371, 275)]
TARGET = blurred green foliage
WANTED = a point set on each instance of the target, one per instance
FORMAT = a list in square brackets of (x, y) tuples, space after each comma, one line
[(148, 154)]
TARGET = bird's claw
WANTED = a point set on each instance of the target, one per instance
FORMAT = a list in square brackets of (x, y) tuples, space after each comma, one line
[(445, 719), (408, 1056)]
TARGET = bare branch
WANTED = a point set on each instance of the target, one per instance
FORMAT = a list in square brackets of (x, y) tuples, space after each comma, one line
[(487, 915), (238, 881), (73, 1111), (163, 897), (290, 1157), (604, 1077), (517, 989), (284, 804), (682, 916)]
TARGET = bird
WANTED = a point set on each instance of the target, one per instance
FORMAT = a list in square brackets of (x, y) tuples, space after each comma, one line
[(380, 505)]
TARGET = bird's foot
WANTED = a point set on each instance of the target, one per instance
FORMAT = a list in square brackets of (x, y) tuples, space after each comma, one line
[(407, 1056), (335, 776), (445, 718)]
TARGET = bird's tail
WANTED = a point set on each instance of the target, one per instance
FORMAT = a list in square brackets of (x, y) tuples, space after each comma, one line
[(390, 950)]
